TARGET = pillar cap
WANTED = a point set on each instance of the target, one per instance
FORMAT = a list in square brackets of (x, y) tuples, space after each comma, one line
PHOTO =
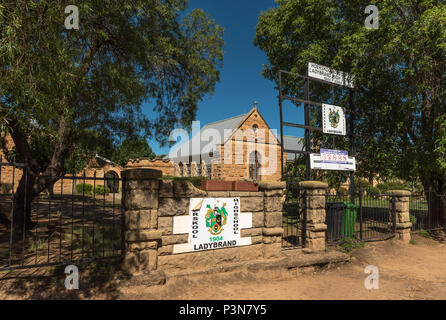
[(313, 185), (272, 185), (141, 174), (399, 193)]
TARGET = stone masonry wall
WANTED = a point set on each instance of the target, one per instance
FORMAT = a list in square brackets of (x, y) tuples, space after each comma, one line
[(152, 206)]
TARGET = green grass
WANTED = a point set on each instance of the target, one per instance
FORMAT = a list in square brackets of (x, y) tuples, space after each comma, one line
[(102, 238), (424, 233), (412, 241)]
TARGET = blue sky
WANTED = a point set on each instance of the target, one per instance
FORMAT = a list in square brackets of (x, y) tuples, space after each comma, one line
[(240, 80)]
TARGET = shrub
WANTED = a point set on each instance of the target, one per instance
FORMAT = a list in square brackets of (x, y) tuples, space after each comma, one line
[(386, 186), (364, 184), (84, 188), (413, 219), (102, 190), (351, 243), (424, 233), (373, 191)]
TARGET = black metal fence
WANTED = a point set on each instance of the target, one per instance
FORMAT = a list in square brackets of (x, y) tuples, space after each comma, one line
[(368, 217), (423, 214), (294, 217), (79, 219)]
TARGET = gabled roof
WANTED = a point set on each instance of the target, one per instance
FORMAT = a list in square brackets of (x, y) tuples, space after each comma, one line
[(226, 128)]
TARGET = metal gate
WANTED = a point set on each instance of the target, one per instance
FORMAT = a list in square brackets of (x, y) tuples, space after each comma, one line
[(373, 218), (294, 217), (78, 219)]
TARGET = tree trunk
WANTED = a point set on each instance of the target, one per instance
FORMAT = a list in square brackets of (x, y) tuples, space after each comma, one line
[(23, 199), (31, 183)]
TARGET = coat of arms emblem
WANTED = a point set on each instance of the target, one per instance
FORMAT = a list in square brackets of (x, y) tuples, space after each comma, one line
[(216, 218), (333, 117)]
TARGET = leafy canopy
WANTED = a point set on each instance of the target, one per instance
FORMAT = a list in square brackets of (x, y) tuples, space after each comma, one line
[(400, 72), (63, 86)]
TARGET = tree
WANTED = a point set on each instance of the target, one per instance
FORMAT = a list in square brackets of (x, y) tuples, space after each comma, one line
[(400, 77), (132, 149), (64, 85)]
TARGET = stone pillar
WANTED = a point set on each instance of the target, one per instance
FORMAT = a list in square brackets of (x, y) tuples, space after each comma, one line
[(141, 237), (403, 224), (314, 200), (193, 169), (204, 170), (176, 170), (273, 200)]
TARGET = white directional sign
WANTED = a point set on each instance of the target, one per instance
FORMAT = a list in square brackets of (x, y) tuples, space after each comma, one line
[(333, 119), (324, 73), (332, 160)]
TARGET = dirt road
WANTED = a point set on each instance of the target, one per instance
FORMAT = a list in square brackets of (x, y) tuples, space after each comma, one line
[(411, 271), (415, 271)]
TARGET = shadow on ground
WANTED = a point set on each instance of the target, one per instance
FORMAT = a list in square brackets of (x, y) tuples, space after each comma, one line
[(98, 280)]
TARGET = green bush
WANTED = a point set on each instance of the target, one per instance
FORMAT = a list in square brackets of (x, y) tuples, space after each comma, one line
[(102, 190), (413, 219), (84, 188), (364, 184), (373, 191), (349, 244), (387, 186)]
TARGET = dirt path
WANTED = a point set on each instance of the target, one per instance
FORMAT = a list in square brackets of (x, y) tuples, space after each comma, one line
[(412, 271), (416, 271)]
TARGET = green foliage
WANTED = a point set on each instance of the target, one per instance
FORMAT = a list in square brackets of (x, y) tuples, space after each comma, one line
[(132, 149), (84, 188), (399, 69), (391, 185), (102, 190), (424, 233), (79, 90), (373, 191), (93, 241), (412, 241), (350, 244), (413, 219)]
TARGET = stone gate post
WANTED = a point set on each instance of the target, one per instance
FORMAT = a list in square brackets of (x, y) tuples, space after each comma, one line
[(141, 235), (314, 200), (403, 224)]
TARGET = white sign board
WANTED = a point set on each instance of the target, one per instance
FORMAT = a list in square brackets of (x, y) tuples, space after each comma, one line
[(324, 73), (333, 119), (332, 160)]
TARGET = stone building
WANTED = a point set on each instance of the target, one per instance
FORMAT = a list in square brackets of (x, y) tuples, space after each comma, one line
[(243, 147)]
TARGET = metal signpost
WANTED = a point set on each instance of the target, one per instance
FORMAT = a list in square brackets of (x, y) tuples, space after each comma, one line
[(333, 122)]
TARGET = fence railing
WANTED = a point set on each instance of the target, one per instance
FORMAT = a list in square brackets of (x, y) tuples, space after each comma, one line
[(294, 217), (370, 217), (78, 219), (423, 214)]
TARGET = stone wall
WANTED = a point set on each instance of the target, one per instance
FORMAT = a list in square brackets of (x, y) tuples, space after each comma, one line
[(152, 205), (167, 167)]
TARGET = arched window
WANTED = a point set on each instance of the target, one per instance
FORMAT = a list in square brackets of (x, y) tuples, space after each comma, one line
[(254, 166), (112, 181)]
